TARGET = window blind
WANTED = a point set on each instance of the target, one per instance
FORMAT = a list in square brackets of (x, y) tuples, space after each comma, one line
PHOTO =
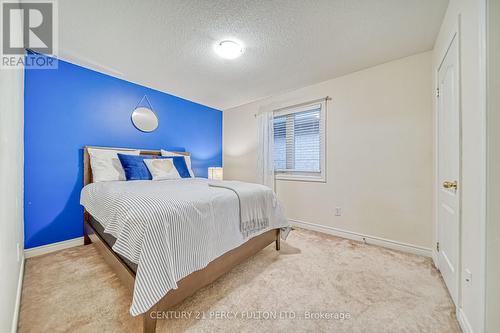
[(298, 141)]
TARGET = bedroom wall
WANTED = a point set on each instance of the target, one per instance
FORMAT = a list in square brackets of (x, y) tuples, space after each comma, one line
[(68, 108), (379, 152), (468, 17), (11, 195)]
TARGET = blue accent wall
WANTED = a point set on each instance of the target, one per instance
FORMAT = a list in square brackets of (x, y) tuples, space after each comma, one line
[(68, 108)]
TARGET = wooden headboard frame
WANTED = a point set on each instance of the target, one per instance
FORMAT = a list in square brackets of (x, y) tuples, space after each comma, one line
[(87, 170)]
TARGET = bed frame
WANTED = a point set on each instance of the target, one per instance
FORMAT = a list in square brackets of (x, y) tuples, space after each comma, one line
[(191, 283)]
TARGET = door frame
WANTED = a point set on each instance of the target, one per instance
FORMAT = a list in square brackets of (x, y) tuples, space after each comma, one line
[(454, 35), (480, 276)]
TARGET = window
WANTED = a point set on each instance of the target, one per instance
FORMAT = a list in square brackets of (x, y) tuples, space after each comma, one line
[(299, 142)]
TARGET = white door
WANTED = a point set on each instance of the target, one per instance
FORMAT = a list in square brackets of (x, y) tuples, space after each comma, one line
[(449, 170)]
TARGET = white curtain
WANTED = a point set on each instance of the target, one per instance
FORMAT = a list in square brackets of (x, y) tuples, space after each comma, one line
[(265, 159)]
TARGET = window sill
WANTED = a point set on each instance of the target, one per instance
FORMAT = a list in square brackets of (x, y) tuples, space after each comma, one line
[(301, 178)]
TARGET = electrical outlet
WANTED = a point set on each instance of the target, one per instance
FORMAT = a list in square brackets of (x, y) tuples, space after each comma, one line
[(468, 277), (338, 211)]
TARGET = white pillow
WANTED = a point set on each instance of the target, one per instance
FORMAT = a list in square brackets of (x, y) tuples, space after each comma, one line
[(187, 158), (162, 168), (105, 164)]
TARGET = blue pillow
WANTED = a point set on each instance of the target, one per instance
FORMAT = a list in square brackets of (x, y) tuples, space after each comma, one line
[(180, 165), (134, 167)]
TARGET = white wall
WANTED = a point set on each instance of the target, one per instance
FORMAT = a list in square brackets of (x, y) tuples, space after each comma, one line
[(473, 173), (493, 179), (11, 194), (379, 152)]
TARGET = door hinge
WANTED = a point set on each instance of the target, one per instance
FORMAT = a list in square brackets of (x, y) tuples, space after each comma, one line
[(437, 246), (437, 92)]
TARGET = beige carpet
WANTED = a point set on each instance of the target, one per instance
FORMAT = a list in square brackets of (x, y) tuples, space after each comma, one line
[(376, 289)]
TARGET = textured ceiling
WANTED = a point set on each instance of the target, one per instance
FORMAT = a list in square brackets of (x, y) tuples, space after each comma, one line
[(168, 45)]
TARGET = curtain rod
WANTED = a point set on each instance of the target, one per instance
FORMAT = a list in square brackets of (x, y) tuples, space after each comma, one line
[(327, 98)]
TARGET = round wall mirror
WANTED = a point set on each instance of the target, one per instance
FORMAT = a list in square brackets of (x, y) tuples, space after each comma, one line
[(144, 119)]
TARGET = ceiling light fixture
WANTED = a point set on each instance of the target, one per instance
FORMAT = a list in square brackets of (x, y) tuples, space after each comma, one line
[(228, 49)]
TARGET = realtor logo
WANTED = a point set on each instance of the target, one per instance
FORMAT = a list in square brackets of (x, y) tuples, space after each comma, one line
[(29, 26)]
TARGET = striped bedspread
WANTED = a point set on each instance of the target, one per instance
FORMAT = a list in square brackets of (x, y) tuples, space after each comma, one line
[(170, 228)]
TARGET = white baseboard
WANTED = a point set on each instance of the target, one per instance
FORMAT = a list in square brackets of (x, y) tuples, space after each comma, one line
[(435, 258), (44, 249), (463, 321), (395, 245), (17, 307)]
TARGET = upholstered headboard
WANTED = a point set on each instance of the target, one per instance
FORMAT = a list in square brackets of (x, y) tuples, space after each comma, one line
[(87, 170)]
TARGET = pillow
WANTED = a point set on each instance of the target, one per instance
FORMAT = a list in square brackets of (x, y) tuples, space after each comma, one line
[(134, 167), (105, 164), (186, 157), (162, 169), (180, 165)]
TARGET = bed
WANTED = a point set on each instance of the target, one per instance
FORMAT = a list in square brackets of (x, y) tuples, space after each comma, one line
[(168, 239)]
